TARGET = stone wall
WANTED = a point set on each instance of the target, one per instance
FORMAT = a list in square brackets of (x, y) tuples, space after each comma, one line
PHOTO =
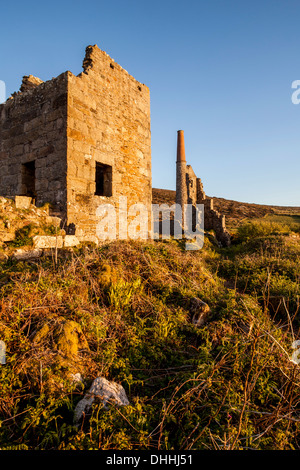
[(78, 142), (191, 183), (195, 194), (108, 124), (213, 220), (33, 142)]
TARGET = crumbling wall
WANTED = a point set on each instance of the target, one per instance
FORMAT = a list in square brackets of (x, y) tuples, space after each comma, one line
[(33, 142), (213, 220), (78, 142), (191, 183), (195, 194), (108, 124)]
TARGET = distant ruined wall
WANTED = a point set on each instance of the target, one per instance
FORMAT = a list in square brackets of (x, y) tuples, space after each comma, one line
[(213, 220), (191, 184), (193, 193), (33, 140)]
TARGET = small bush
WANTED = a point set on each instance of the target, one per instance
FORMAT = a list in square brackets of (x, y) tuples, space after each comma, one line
[(23, 236)]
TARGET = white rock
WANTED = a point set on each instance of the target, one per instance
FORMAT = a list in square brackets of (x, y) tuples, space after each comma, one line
[(21, 254), (22, 202), (76, 378), (44, 241), (71, 240), (105, 391)]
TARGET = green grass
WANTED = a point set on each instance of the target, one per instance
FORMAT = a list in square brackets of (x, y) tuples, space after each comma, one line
[(227, 385), (292, 221), (23, 236), (285, 219)]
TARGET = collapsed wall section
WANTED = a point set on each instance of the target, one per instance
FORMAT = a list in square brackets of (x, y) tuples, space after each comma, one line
[(213, 220), (189, 190)]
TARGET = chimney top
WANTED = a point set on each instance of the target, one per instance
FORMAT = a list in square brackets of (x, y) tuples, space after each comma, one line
[(180, 146)]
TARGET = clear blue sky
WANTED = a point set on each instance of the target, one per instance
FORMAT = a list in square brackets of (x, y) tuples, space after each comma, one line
[(221, 70)]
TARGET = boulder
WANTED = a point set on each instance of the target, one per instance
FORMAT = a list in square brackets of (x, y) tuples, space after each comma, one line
[(103, 390)]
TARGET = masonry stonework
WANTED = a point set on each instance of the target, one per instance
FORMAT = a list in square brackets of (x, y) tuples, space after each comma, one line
[(78, 142), (189, 190), (108, 124), (33, 143)]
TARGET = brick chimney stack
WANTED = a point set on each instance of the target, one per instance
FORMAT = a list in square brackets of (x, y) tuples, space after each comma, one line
[(181, 189)]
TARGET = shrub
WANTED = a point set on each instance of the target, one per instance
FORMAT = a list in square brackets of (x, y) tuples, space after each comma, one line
[(23, 236)]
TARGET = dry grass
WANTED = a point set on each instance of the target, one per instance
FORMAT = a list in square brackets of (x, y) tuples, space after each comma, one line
[(122, 311)]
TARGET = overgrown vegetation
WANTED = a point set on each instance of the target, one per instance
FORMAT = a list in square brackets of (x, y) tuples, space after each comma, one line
[(227, 385), (18, 227)]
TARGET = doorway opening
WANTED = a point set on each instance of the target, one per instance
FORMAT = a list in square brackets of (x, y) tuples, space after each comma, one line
[(28, 179)]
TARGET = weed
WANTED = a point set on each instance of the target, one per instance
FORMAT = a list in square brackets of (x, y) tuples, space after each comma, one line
[(121, 311)]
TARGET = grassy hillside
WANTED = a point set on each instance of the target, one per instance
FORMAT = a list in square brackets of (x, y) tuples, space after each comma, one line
[(122, 311), (237, 212)]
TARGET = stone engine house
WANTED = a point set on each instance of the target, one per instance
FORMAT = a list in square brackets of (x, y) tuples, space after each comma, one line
[(77, 142)]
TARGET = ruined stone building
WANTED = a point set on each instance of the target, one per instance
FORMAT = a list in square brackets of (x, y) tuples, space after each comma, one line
[(189, 190), (78, 141)]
